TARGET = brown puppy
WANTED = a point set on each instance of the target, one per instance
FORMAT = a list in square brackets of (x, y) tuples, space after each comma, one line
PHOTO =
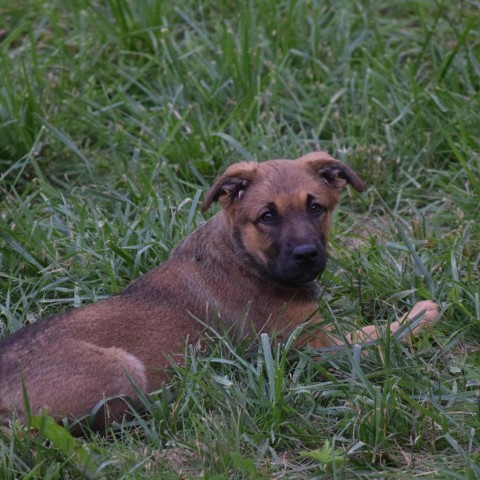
[(258, 257)]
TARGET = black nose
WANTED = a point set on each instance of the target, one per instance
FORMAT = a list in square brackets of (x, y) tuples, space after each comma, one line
[(304, 254)]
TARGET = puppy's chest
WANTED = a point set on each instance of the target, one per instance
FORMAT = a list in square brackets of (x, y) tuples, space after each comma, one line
[(260, 308)]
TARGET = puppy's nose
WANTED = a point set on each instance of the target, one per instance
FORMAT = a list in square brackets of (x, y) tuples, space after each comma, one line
[(304, 254)]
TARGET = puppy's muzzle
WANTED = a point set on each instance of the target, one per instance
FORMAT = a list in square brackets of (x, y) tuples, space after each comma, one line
[(301, 263)]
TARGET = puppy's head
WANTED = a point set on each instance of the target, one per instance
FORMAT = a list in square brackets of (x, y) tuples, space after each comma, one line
[(280, 212)]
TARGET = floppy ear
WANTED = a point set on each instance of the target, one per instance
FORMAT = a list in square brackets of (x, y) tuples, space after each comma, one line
[(231, 184), (332, 171)]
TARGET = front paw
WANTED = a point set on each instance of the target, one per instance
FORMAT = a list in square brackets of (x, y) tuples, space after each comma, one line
[(431, 312)]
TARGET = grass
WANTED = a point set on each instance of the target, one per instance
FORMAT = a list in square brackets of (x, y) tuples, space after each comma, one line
[(115, 115)]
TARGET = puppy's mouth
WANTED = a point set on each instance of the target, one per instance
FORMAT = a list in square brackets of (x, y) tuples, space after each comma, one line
[(296, 278)]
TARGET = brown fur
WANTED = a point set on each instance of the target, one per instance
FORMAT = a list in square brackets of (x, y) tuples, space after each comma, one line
[(263, 251)]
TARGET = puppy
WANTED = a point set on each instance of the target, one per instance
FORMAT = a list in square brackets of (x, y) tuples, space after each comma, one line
[(258, 257)]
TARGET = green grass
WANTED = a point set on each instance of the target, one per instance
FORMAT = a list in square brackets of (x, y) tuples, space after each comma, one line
[(114, 116)]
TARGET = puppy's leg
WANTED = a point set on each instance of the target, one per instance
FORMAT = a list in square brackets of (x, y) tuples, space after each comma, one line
[(71, 377), (429, 310)]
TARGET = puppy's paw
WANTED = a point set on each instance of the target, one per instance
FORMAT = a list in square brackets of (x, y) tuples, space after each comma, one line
[(430, 311)]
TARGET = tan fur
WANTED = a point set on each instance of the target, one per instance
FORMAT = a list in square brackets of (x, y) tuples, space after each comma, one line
[(238, 263)]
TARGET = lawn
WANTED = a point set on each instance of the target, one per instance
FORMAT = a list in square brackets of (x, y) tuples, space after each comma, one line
[(116, 115)]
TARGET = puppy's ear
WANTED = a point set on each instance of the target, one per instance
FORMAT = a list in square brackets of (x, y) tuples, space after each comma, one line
[(332, 171), (231, 184)]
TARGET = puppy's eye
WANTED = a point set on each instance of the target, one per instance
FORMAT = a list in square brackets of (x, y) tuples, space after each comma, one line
[(268, 217), (315, 208)]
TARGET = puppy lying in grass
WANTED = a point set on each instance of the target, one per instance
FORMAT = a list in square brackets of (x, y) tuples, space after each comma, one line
[(263, 251)]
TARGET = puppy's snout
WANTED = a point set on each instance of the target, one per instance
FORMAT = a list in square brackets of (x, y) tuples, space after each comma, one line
[(305, 254)]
